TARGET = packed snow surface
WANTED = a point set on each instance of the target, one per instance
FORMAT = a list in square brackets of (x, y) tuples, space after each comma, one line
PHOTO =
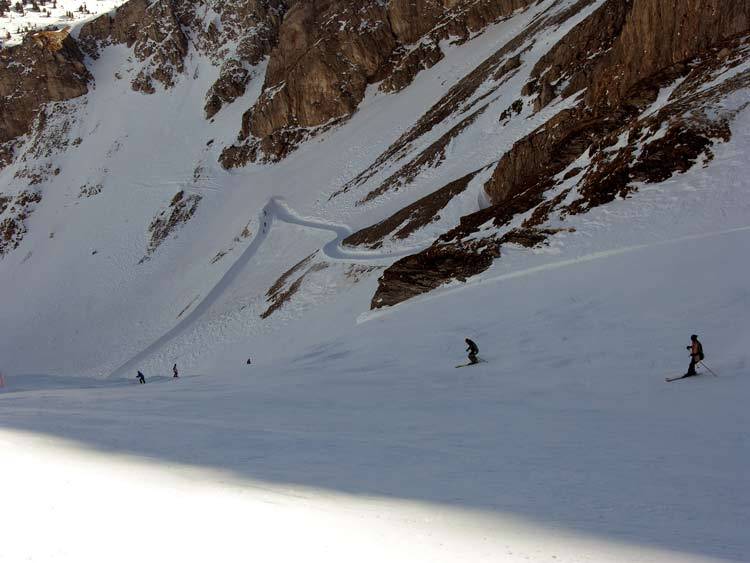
[(361, 440), (351, 436)]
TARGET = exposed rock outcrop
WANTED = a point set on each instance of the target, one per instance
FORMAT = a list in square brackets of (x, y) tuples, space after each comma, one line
[(46, 67), (640, 72), (623, 54), (181, 209), (493, 72), (13, 215), (282, 290), (243, 33), (329, 52), (154, 31), (230, 85), (246, 33), (645, 47), (321, 56), (411, 218)]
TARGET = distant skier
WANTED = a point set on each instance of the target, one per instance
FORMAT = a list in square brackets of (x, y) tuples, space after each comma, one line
[(696, 354), (174, 372), (249, 361), (141, 378), (473, 350)]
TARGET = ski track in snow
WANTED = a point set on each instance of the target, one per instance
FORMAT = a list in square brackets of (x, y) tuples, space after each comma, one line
[(438, 293), (275, 210), (562, 447)]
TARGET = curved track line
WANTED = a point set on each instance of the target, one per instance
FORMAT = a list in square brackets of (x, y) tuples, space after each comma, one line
[(334, 250), (275, 209)]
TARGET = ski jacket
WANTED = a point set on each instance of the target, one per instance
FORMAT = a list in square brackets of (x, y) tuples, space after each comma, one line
[(473, 348), (696, 351)]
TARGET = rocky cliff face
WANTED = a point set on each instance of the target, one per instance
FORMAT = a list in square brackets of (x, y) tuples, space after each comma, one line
[(619, 57), (153, 30), (238, 36), (578, 105), (329, 52), (46, 67)]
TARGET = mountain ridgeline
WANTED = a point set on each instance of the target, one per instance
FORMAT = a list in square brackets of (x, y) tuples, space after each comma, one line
[(626, 93)]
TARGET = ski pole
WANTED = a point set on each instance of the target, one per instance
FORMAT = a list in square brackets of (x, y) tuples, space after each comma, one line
[(709, 369)]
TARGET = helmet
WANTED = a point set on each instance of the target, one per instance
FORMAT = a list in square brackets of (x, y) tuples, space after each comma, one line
[(693, 337)]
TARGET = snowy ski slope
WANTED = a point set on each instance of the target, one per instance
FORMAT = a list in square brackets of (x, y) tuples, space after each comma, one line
[(351, 437), (348, 440)]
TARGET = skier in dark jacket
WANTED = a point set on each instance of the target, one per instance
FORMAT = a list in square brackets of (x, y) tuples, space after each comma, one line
[(696, 354), (473, 350), (174, 372), (141, 378)]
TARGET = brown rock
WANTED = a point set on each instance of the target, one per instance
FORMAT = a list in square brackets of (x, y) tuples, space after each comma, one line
[(153, 30), (46, 67), (330, 50), (657, 35), (119, 27), (181, 209), (619, 78), (431, 268), (230, 85), (321, 68), (603, 50), (411, 218)]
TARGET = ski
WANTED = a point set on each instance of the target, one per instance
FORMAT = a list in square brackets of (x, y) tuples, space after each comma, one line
[(470, 364), (671, 379)]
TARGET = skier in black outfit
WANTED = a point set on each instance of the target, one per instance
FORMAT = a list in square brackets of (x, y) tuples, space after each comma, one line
[(141, 378), (696, 354), (174, 372), (473, 350)]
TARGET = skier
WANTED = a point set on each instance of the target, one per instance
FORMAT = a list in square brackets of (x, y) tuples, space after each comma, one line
[(174, 372), (696, 354), (473, 350), (141, 378)]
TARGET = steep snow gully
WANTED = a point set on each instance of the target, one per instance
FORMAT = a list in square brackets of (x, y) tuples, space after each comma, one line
[(276, 209)]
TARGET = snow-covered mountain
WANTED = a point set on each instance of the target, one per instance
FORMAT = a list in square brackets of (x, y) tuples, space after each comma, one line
[(20, 17), (344, 191), (143, 158)]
